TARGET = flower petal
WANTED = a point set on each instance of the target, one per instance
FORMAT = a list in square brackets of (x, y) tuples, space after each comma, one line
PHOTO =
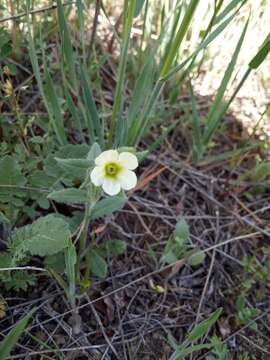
[(128, 160), (106, 156), (127, 179), (97, 175), (111, 187)]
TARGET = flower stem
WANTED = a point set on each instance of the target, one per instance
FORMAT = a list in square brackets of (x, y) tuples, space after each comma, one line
[(83, 237), (86, 282)]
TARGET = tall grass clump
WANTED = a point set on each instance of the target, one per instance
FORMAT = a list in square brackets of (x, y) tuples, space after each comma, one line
[(158, 65)]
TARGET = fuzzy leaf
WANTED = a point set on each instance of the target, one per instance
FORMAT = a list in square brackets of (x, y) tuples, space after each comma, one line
[(197, 258), (98, 265), (76, 165), (181, 230), (56, 262), (204, 326), (69, 196), (46, 236), (53, 168), (177, 243), (5, 259), (19, 280), (107, 206), (172, 252), (115, 247), (94, 152), (11, 178)]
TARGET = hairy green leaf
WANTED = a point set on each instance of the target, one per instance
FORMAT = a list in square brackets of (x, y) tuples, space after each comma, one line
[(46, 236), (197, 258), (181, 230), (107, 206), (69, 196), (94, 151), (115, 247), (98, 265), (204, 326), (11, 178), (55, 262), (73, 164)]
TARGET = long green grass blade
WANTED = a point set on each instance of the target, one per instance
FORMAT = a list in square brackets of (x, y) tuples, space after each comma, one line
[(196, 130), (11, 339), (143, 87), (209, 27), (211, 37), (79, 5), (204, 326), (57, 117), (76, 116), (129, 11), (230, 7), (145, 17), (213, 118), (179, 37), (93, 121), (139, 6), (173, 31), (228, 155), (67, 49), (143, 122), (254, 64), (226, 106), (261, 55), (158, 141), (37, 73), (182, 355)]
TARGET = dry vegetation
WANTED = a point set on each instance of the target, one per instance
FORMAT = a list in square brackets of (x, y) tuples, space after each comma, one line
[(224, 198)]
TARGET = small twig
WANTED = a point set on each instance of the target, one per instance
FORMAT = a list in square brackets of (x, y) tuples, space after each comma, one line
[(94, 29), (209, 273), (101, 326), (120, 327), (17, 16), (13, 30), (23, 268), (26, 188), (148, 231), (251, 213), (254, 344), (205, 286)]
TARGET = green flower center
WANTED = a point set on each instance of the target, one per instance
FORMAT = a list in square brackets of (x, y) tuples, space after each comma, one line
[(112, 169)]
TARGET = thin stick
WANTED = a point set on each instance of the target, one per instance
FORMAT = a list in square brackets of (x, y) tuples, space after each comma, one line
[(23, 268), (13, 30), (94, 28), (15, 17), (101, 326)]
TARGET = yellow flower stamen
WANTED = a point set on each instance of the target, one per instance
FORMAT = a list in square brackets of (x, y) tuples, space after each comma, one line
[(112, 169)]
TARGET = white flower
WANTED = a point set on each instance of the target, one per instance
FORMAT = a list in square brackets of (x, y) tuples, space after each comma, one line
[(113, 171)]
